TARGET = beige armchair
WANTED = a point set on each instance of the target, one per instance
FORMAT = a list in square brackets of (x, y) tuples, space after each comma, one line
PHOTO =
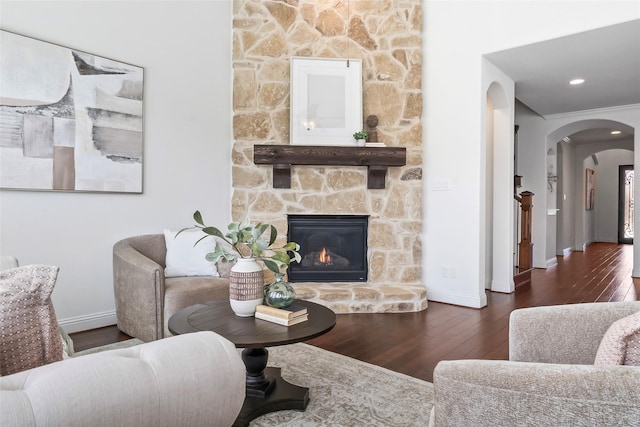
[(550, 379), (145, 299)]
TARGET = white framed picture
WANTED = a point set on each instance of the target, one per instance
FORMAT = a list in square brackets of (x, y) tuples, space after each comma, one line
[(326, 101)]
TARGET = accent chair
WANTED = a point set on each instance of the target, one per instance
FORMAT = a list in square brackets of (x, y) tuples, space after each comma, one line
[(550, 378), (145, 298)]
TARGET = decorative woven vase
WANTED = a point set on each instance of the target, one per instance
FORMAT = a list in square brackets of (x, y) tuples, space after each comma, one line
[(246, 287)]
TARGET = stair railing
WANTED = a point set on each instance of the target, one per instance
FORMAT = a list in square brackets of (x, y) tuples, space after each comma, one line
[(525, 246)]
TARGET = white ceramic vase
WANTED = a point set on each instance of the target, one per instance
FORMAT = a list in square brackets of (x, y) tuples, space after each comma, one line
[(360, 142), (246, 287)]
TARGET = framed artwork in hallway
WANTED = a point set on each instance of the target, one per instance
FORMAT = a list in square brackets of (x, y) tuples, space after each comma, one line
[(590, 189)]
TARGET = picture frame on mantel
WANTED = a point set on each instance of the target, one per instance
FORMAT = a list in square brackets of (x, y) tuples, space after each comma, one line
[(326, 101), (71, 121)]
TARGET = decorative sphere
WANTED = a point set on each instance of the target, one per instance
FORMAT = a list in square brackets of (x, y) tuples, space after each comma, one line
[(279, 294)]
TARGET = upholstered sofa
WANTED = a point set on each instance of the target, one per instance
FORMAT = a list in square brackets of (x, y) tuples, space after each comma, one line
[(189, 380), (550, 379), (145, 298)]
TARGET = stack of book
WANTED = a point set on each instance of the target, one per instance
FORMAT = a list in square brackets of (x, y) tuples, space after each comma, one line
[(287, 316)]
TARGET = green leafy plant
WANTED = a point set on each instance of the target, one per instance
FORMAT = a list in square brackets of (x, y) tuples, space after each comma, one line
[(249, 241), (361, 134)]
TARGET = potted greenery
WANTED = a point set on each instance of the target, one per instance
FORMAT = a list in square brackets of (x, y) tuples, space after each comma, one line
[(360, 137), (247, 244), (249, 241)]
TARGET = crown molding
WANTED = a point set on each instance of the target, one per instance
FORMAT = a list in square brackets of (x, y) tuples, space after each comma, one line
[(593, 111)]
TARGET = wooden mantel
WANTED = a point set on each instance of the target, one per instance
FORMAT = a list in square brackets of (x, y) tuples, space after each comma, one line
[(282, 157)]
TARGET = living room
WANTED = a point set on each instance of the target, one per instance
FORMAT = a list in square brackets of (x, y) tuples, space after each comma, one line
[(186, 50), (188, 167)]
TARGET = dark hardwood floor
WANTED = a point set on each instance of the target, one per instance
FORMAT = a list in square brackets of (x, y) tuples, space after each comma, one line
[(413, 343)]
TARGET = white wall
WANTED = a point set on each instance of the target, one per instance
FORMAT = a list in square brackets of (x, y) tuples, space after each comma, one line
[(488, 230), (457, 34), (606, 197), (185, 49), (565, 236)]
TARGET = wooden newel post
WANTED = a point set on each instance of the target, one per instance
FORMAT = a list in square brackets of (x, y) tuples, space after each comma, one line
[(525, 257)]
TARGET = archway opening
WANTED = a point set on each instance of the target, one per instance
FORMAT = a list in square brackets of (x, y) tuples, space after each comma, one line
[(586, 192)]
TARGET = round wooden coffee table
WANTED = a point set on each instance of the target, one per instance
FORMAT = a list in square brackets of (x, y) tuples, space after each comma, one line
[(267, 391)]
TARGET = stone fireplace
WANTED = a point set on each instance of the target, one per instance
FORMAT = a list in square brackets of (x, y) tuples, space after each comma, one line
[(386, 37)]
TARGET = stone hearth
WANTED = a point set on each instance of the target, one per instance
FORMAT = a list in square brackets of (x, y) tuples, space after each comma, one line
[(363, 298)]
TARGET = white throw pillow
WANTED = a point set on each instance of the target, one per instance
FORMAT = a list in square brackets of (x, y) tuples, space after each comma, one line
[(185, 259)]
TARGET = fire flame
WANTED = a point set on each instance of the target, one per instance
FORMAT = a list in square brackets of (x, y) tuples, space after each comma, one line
[(324, 257)]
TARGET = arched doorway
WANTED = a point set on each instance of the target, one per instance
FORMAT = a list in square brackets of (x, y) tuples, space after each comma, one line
[(585, 150)]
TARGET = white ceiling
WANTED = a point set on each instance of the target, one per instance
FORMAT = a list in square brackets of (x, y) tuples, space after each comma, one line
[(607, 58)]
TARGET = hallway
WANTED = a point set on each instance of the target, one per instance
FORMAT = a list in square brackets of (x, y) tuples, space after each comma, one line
[(601, 273)]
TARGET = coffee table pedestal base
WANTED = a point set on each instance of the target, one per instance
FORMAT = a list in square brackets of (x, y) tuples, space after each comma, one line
[(283, 396)]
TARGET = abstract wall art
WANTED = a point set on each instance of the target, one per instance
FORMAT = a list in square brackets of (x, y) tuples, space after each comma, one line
[(69, 120)]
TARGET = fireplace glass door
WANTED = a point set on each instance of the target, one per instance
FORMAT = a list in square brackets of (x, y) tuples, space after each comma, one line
[(333, 248)]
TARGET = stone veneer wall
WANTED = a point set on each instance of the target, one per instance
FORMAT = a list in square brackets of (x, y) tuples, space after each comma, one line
[(386, 36)]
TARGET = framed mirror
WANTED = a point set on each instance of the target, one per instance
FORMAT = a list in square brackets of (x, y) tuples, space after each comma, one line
[(326, 101)]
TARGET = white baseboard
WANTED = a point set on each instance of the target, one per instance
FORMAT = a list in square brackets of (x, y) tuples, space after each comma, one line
[(564, 252), (635, 273), (505, 288), (462, 300), (584, 246), (89, 321), (551, 262)]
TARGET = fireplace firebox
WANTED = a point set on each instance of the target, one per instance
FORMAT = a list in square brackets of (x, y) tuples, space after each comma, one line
[(333, 248)]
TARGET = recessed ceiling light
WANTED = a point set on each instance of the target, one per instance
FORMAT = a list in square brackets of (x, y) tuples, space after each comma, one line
[(576, 81), (616, 132)]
